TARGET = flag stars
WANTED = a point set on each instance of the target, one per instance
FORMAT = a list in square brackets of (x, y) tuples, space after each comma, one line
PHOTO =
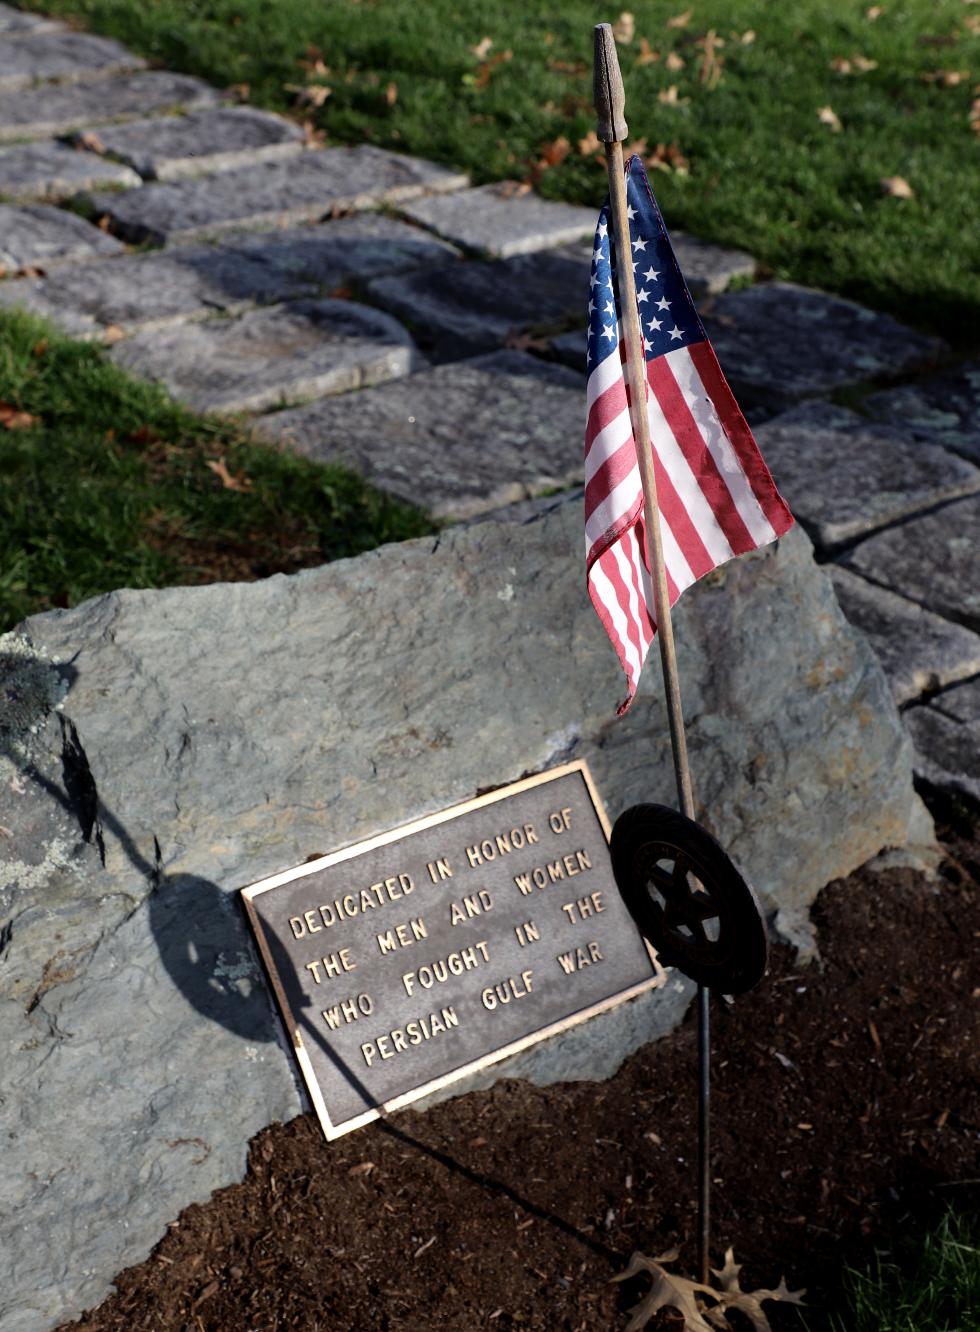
[(663, 303), (639, 244), (603, 230), (610, 309), (675, 334), (642, 296), (651, 274), (654, 325), (608, 331), (630, 212)]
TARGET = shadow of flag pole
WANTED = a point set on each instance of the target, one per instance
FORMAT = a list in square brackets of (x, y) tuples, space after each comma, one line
[(610, 103)]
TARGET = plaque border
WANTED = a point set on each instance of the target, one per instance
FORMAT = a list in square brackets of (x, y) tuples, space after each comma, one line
[(250, 891)]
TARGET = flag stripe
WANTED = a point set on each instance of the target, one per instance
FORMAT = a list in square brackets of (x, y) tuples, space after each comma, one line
[(737, 429), (699, 454), (686, 484), (706, 420)]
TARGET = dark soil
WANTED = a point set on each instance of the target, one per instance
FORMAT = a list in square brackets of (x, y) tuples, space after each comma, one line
[(846, 1116)]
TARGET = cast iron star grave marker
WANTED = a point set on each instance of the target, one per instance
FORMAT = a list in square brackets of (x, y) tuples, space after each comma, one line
[(409, 960)]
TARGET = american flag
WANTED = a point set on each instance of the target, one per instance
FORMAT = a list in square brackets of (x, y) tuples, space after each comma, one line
[(715, 494)]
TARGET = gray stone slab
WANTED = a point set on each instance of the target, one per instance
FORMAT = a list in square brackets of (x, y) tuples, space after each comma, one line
[(268, 357), (461, 310), (709, 269), (496, 221), (778, 343), (273, 194), (944, 409), (49, 171), (58, 55), (570, 348), (354, 248), (36, 113), (845, 477), (920, 652), (18, 20), (148, 291), (946, 733), (933, 559), (27, 294), (220, 139), (459, 440), (224, 732), (193, 282), (36, 236)]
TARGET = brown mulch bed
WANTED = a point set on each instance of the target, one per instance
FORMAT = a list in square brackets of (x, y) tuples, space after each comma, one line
[(846, 1115)]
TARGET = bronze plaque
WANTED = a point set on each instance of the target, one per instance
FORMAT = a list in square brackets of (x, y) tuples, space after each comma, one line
[(422, 954)]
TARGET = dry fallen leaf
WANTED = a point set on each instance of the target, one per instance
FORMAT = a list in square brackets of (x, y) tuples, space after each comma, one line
[(680, 20), (667, 157), (313, 137), (482, 48), (391, 94), (875, 12), (40, 348), (555, 152), (111, 334), (972, 24), (691, 1298), (513, 189), (90, 140), (527, 342), (862, 64), (635, 148), (484, 73), (828, 116), (239, 92), (947, 78), (840, 65), (12, 418), (647, 56), (241, 482), (975, 115), (624, 28), (666, 1292), (312, 94), (590, 144), (899, 188), (710, 44), (747, 37), (365, 1167), (576, 67), (669, 97), (674, 62), (143, 434)]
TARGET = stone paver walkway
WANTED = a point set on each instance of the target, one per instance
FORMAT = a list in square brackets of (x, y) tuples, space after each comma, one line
[(286, 275)]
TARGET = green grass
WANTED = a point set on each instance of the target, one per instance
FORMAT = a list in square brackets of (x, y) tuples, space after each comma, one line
[(935, 1289), (765, 173), (111, 487)]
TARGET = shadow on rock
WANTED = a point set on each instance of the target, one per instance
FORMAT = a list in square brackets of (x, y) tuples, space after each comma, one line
[(203, 940)]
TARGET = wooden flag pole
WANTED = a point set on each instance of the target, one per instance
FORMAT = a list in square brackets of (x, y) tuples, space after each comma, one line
[(610, 105)]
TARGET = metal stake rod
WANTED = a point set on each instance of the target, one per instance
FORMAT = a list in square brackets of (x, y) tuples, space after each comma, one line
[(610, 105)]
